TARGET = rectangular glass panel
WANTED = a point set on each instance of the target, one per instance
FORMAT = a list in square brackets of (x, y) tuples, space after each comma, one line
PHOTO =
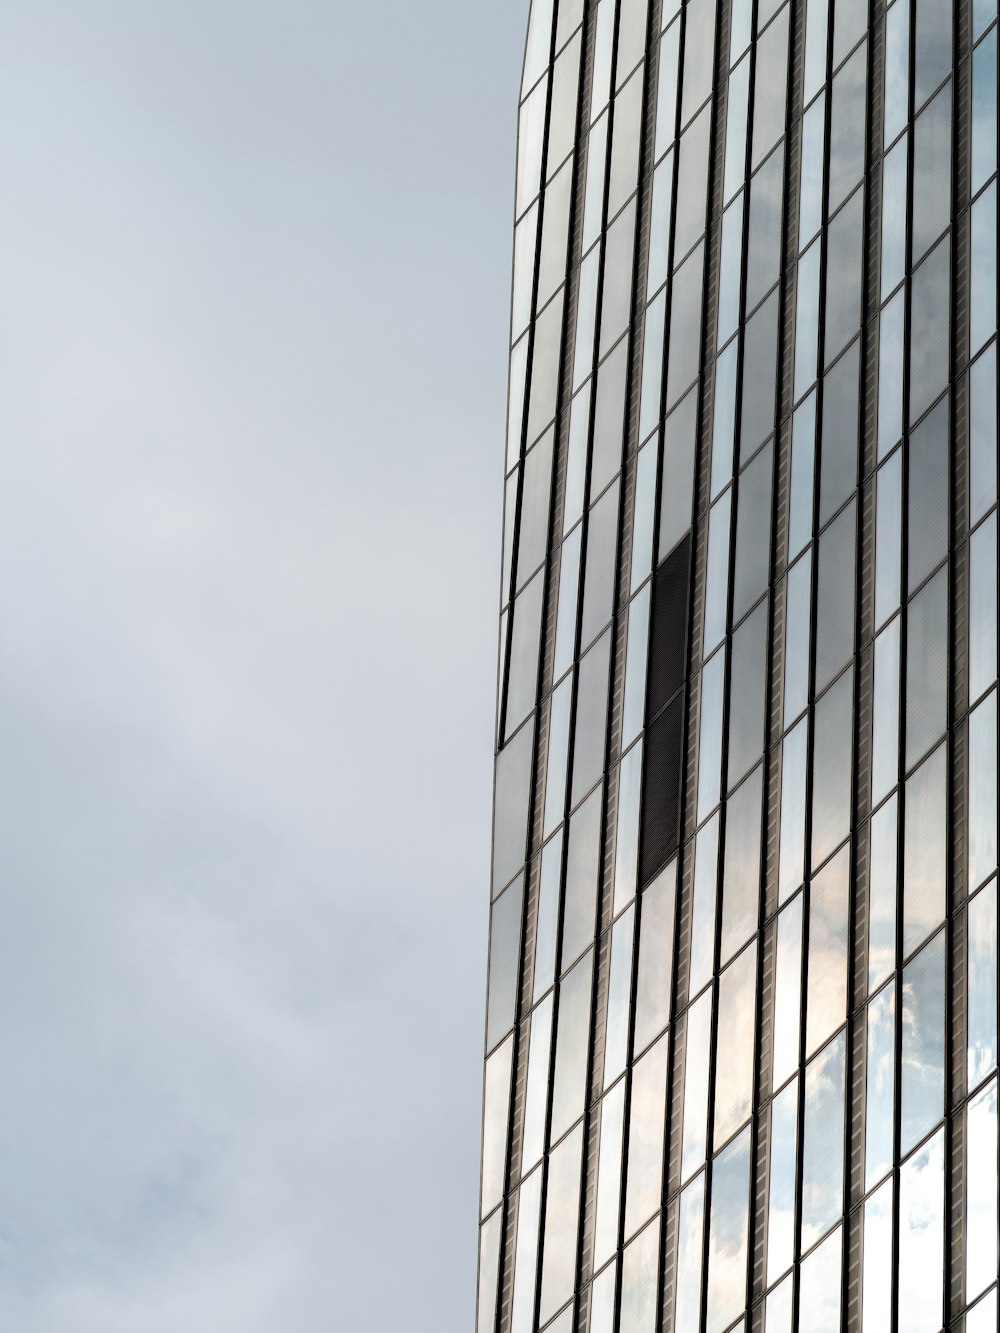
[(922, 1090), (781, 1189), (823, 1142), (921, 1239), (727, 1243), (881, 1084), (982, 981), (647, 1127), (981, 1215), (876, 1300), (735, 1044)]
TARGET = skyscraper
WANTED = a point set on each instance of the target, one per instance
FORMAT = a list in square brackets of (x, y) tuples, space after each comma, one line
[(741, 1042)]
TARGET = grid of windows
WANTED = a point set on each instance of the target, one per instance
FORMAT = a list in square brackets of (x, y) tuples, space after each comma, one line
[(741, 1036)]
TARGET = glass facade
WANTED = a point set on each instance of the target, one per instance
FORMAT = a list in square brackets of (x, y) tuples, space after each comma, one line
[(741, 1038)]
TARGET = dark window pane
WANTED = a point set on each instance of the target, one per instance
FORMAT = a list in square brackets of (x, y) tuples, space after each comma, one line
[(661, 784), (668, 638)]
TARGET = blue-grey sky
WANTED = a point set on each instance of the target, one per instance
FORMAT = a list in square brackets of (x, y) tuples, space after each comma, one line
[(254, 273)]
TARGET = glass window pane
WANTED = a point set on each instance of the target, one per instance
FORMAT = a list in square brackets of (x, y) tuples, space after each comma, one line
[(619, 996), (829, 914), (928, 487), (931, 208), (489, 1269), (505, 954), (835, 597), (522, 673), (547, 919), (656, 953), (788, 989), (881, 1085), (766, 205), (582, 869), (930, 322), (760, 365), (609, 1174), (741, 873), (562, 1216), (793, 811), (569, 1085), (983, 791), (983, 608), (770, 87), (781, 1188), (885, 712), (753, 533), (832, 769), (847, 131), (684, 359), (706, 878), (690, 1229), (927, 667), (888, 537), (877, 1289), (710, 746), (698, 1032), (627, 835), (839, 454), (981, 1216), (591, 718), (748, 695), (922, 1091), (640, 1270), (925, 864), (823, 1142), (676, 499), (647, 1127), (636, 656), (819, 1298), (800, 518), (843, 276), (537, 1085), (560, 704), (510, 815), (727, 1244), (735, 1044), (983, 433), (982, 980), (921, 1239), (496, 1112), (529, 1205), (882, 890)]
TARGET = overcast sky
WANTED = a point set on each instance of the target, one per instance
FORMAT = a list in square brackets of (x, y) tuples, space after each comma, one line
[(254, 273)]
